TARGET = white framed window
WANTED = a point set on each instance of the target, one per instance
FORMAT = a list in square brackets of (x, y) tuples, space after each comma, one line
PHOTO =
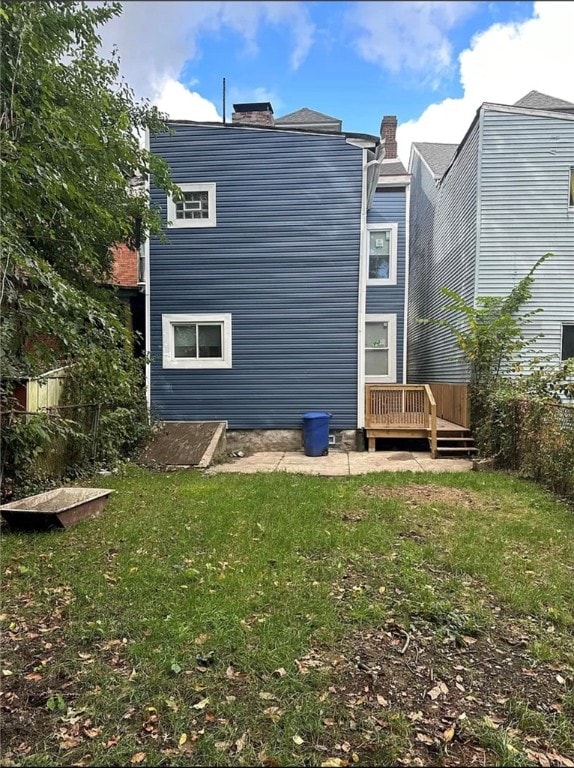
[(197, 209), (380, 349), (571, 189), (197, 341), (382, 254)]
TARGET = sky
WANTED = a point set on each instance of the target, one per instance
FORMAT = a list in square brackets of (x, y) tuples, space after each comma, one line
[(432, 64)]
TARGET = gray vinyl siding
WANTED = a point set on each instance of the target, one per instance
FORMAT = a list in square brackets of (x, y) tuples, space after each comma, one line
[(389, 207), (452, 264), (283, 260), (422, 208), (525, 170)]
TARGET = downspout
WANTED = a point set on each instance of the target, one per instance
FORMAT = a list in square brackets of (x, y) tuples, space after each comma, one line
[(147, 288), (362, 294)]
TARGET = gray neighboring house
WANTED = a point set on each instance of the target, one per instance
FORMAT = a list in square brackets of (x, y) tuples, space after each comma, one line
[(481, 214), (310, 120)]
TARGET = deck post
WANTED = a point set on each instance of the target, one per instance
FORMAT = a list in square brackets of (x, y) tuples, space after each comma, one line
[(433, 431)]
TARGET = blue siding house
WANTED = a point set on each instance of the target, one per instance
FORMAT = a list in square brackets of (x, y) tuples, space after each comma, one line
[(482, 213), (280, 287)]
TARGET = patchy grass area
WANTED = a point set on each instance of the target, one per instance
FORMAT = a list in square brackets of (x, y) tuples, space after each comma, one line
[(279, 619)]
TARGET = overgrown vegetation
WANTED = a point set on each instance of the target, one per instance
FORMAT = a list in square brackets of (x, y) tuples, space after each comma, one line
[(521, 403), (278, 619), (69, 148)]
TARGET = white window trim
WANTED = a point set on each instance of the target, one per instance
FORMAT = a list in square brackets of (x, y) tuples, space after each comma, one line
[(392, 278), (211, 221), (169, 358), (391, 377)]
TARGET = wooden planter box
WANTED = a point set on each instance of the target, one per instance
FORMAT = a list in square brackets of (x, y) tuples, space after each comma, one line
[(59, 508)]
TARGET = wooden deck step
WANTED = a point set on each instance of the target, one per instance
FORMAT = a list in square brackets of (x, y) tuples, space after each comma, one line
[(468, 439), (453, 449)]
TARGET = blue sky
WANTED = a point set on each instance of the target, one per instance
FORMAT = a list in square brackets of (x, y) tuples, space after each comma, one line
[(429, 63)]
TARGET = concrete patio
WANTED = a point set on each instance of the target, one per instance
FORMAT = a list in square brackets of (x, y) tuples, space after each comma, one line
[(340, 463)]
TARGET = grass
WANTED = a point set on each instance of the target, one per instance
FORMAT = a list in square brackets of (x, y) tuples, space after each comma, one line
[(217, 620)]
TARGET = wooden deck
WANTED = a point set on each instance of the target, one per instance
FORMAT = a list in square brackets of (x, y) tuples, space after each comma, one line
[(410, 410)]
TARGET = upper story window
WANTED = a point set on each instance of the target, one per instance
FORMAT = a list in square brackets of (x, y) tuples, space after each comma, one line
[(382, 246), (197, 341), (567, 341), (197, 209)]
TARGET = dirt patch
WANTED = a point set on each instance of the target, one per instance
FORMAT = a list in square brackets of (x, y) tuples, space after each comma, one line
[(442, 687), (424, 495)]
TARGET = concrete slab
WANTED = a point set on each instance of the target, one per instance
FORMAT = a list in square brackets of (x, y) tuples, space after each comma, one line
[(340, 463), (183, 444)]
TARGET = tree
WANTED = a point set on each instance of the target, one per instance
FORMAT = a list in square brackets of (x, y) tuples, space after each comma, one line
[(69, 146)]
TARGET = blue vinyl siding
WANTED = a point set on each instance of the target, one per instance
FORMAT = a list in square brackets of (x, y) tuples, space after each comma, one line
[(283, 260), (389, 207)]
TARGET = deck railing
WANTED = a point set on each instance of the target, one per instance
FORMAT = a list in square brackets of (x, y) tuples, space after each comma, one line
[(452, 402), (401, 406)]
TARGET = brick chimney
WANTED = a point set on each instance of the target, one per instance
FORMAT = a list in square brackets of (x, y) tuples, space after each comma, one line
[(389, 134), (257, 113)]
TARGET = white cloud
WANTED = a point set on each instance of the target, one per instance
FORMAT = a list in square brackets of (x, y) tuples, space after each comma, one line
[(155, 39), (503, 64), (408, 36), (182, 104)]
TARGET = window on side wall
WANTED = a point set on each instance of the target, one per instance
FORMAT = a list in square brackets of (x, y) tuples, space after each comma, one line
[(567, 341), (380, 348), (571, 190), (197, 209), (382, 254), (197, 341)]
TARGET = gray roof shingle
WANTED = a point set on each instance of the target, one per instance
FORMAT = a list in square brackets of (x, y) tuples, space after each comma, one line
[(537, 100), (395, 168), (306, 116), (437, 156)]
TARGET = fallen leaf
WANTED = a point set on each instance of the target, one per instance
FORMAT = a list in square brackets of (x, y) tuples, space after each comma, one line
[(240, 743), (560, 679), (273, 713), (201, 704), (355, 757), (425, 739), (334, 762), (448, 735), (382, 701), (298, 740), (222, 746), (538, 757), (112, 742), (281, 672), (182, 739), (139, 757), (561, 760), (91, 733), (267, 696), (33, 676), (381, 590), (345, 746), (435, 692)]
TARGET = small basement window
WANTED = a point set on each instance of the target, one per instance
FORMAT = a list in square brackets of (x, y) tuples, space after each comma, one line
[(382, 254), (197, 209), (567, 341), (197, 341)]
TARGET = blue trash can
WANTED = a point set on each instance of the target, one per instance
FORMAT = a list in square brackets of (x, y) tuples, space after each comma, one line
[(316, 433)]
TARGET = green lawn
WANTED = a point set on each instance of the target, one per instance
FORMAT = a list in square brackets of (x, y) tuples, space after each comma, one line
[(280, 619)]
